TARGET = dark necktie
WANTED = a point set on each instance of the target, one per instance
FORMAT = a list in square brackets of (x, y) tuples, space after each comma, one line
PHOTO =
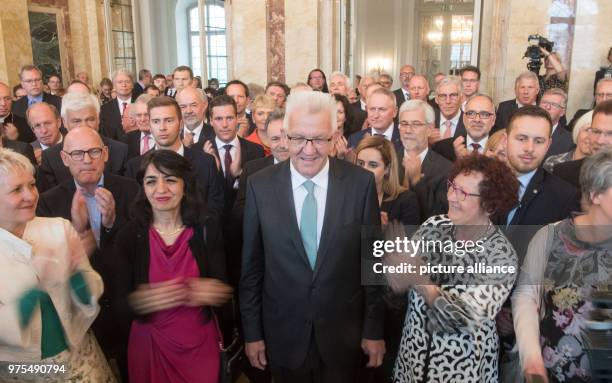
[(123, 110), (475, 147), (227, 160)]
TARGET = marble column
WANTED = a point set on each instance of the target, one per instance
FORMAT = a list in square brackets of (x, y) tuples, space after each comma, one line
[(275, 27)]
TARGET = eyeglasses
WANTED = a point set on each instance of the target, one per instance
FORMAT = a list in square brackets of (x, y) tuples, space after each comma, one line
[(598, 132), (451, 96), (554, 104), (32, 81), (604, 96), (302, 141), (413, 124), (79, 155), (484, 115), (459, 193), (406, 74)]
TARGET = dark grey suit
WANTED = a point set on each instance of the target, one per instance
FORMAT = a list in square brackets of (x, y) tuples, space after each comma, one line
[(21, 148), (110, 119), (21, 106)]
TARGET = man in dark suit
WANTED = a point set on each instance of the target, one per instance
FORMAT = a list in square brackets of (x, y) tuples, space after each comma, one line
[(479, 118), (526, 89), (165, 123), (603, 92), (470, 79), (79, 110), (193, 104), (381, 113), (45, 121), (403, 93), (182, 77), (14, 127), (97, 204), (358, 108), (139, 141), (600, 135), (554, 101), (449, 117), (31, 82), (19, 147), (422, 169), (144, 79), (112, 111), (304, 308), (239, 91)]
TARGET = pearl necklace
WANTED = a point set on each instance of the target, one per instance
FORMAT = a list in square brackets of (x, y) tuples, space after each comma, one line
[(169, 232)]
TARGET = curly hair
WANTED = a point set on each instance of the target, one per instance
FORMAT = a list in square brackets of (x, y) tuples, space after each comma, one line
[(499, 186)]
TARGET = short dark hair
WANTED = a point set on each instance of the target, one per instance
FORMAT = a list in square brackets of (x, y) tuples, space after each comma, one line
[(469, 68), (279, 84), (499, 187), (237, 82), (104, 81), (222, 100), (29, 67), (604, 107), (530, 111), (16, 88), (54, 75), (158, 102), (183, 68), (348, 113), (159, 75), (142, 73), (151, 86), (169, 162)]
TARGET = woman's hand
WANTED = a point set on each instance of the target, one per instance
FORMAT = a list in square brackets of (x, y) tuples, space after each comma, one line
[(153, 297), (208, 292), (535, 369)]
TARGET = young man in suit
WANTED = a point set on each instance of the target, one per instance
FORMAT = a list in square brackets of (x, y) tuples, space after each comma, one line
[(15, 127), (381, 113), (193, 104), (141, 140), (78, 110), (449, 117), (239, 91), (182, 77), (45, 122), (112, 111), (478, 118), (422, 169), (600, 135), (303, 221), (97, 203), (31, 82), (526, 90), (554, 101), (470, 79), (165, 123), (403, 93)]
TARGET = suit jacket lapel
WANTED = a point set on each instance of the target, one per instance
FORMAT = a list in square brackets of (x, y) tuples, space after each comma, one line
[(284, 193), (531, 192)]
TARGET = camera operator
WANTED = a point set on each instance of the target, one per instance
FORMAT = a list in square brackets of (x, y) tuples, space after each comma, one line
[(604, 71), (556, 74)]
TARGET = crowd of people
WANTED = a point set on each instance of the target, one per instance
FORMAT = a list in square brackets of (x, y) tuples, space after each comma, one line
[(148, 223)]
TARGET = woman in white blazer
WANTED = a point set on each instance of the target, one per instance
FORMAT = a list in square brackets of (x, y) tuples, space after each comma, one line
[(48, 290)]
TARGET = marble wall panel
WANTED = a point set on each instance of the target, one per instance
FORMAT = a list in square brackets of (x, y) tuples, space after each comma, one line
[(301, 39), (247, 35), (16, 46), (276, 39)]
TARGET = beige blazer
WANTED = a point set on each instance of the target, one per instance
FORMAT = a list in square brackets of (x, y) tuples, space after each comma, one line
[(43, 259)]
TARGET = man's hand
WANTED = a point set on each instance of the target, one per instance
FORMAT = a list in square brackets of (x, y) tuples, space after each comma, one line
[(208, 292), (78, 212), (375, 350), (459, 147), (412, 167), (236, 166), (187, 138), (10, 131), (340, 146), (434, 136), (243, 126), (106, 205), (256, 352), (210, 149), (38, 155)]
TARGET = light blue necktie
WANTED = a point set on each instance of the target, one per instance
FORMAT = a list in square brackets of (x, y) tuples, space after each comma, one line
[(308, 223)]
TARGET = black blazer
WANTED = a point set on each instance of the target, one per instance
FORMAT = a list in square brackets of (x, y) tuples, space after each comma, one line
[(52, 170), (359, 116), (399, 97), (130, 266), (562, 141), (355, 138), (110, 119), (505, 109), (207, 133), (404, 208), (209, 179), (431, 189), (21, 148), (569, 172), (248, 170), (132, 140), (137, 90), (579, 113), (282, 300), (459, 130), (446, 149), (25, 132), (21, 106)]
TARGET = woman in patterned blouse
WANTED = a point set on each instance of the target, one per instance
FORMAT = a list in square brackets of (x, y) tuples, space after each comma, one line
[(449, 332)]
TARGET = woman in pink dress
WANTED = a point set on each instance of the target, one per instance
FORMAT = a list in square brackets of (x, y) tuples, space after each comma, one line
[(170, 266)]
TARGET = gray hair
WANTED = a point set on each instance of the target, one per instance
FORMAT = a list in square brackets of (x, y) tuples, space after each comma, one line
[(557, 92), (312, 102), (596, 174), (73, 102), (451, 80), (428, 111), (122, 71), (601, 81), (144, 98), (528, 75), (583, 122), (347, 80), (480, 95), (11, 161), (276, 115)]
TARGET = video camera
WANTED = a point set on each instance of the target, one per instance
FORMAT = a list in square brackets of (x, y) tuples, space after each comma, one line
[(533, 52)]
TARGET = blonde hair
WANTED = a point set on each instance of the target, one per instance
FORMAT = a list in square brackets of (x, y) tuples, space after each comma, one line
[(391, 185), (263, 101), (11, 161), (494, 140)]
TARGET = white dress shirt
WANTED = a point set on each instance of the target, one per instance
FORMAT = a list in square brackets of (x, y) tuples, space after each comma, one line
[(387, 133), (454, 121), (120, 103), (363, 105), (45, 147), (196, 132), (321, 181), (483, 142), (221, 150)]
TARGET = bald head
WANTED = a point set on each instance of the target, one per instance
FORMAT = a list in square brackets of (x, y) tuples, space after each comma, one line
[(6, 99), (78, 87), (418, 87), (80, 135), (84, 154)]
